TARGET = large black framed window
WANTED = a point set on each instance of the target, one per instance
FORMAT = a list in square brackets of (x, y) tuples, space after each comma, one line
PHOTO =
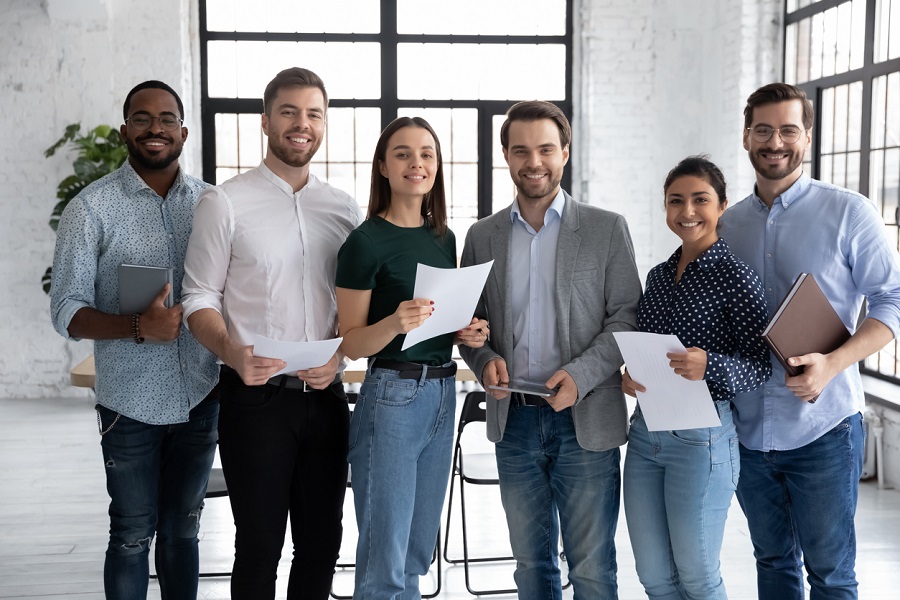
[(845, 54), (456, 64)]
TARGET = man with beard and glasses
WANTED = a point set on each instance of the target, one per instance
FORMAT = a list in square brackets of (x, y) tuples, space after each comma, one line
[(261, 261), (801, 438), (564, 279), (156, 408)]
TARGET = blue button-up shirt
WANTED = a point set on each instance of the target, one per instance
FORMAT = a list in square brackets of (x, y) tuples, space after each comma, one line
[(838, 236), (532, 260), (119, 219), (717, 306)]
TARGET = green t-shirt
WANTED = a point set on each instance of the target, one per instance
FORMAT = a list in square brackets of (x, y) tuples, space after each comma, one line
[(382, 257)]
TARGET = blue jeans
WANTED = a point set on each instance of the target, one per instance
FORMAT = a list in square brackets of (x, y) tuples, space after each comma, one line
[(543, 471), (678, 486), (401, 440), (156, 476), (800, 504)]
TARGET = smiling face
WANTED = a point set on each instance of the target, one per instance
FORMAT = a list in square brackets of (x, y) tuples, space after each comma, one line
[(154, 148), (536, 160), (410, 163), (693, 210), (295, 125), (774, 160)]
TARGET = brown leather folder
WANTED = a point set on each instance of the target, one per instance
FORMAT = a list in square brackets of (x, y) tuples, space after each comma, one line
[(805, 322)]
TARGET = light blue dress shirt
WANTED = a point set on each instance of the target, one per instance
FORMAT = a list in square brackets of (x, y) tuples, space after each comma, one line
[(838, 236), (532, 275), (119, 219)]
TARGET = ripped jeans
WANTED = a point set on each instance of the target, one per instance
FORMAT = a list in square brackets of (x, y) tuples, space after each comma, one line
[(156, 476)]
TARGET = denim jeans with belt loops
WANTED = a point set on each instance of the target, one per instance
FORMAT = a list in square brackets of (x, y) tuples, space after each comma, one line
[(548, 483), (800, 506), (401, 439), (678, 486)]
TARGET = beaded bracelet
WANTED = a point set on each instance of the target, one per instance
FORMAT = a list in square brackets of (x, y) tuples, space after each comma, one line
[(136, 328)]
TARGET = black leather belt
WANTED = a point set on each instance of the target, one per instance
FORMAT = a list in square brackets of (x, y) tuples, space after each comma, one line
[(528, 399), (408, 370), (286, 381)]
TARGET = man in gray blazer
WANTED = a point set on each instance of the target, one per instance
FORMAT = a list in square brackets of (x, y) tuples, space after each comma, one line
[(564, 279)]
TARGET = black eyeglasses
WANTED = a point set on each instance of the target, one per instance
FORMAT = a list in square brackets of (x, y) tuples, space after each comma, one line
[(143, 122), (789, 134)]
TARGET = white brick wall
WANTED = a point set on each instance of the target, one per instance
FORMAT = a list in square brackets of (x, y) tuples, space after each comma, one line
[(656, 80), (65, 61)]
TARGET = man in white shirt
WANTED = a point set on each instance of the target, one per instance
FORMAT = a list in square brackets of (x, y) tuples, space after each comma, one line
[(261, 260)]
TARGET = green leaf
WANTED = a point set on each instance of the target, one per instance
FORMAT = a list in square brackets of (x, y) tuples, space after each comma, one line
[(97, 153), (71, 131), (84, 167), (46, 280), (102, 131)]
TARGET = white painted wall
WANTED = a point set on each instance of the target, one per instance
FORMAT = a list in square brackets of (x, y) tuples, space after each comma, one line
[(61, 62), (656, 80), (891, 421)]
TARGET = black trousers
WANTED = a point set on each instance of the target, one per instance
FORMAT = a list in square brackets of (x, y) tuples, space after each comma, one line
[(284, 453)]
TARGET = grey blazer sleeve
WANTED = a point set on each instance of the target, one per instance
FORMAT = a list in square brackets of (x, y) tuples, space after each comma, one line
[(476, 358)]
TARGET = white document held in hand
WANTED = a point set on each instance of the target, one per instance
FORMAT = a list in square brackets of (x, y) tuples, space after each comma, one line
[(455, 293), (298, 355), (671, 401)]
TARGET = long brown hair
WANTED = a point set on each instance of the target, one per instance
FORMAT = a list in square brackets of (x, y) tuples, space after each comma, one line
[(434, 204)]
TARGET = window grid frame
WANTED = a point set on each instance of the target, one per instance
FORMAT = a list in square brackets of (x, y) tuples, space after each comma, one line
[(814, 88), (389, 103)]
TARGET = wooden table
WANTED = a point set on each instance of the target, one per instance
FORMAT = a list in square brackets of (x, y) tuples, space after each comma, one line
[(82, 375)]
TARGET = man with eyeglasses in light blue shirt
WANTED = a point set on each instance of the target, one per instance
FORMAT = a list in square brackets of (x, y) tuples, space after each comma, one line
[(801, 437), (156, 408)]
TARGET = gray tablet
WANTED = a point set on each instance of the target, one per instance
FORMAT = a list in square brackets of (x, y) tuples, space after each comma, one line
[(140, 284), (534, 389)]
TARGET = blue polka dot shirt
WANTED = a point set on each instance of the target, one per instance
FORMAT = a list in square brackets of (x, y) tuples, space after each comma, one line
[(719, 306)]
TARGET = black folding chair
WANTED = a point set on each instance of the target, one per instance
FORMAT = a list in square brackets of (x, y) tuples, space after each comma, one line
[(475, 468)]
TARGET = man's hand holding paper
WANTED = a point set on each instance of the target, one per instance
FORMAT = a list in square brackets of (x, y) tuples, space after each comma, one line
[(313, 358)]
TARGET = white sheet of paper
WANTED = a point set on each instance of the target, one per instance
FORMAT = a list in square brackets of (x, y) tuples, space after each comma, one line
[(671, 401), (297, 355), (455, 293)]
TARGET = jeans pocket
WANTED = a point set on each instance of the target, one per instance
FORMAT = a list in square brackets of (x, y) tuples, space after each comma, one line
[(692, 437), (398, 392), (842, 426)]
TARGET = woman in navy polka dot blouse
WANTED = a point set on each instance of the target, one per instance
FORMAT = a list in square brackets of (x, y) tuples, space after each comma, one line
[(678, 485)]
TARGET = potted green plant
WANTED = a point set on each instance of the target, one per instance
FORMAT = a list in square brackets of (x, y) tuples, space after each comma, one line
[(99, 152)]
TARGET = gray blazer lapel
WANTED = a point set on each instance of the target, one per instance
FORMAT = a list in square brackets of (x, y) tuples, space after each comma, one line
[(500, 252), (566, 254)]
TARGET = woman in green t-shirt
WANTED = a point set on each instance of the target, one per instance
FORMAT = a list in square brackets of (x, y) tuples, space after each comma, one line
[(401, 432)]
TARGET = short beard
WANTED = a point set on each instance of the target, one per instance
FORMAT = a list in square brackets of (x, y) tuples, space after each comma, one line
[(552, 185), (157, 163), (765, 173), (293, 159)]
